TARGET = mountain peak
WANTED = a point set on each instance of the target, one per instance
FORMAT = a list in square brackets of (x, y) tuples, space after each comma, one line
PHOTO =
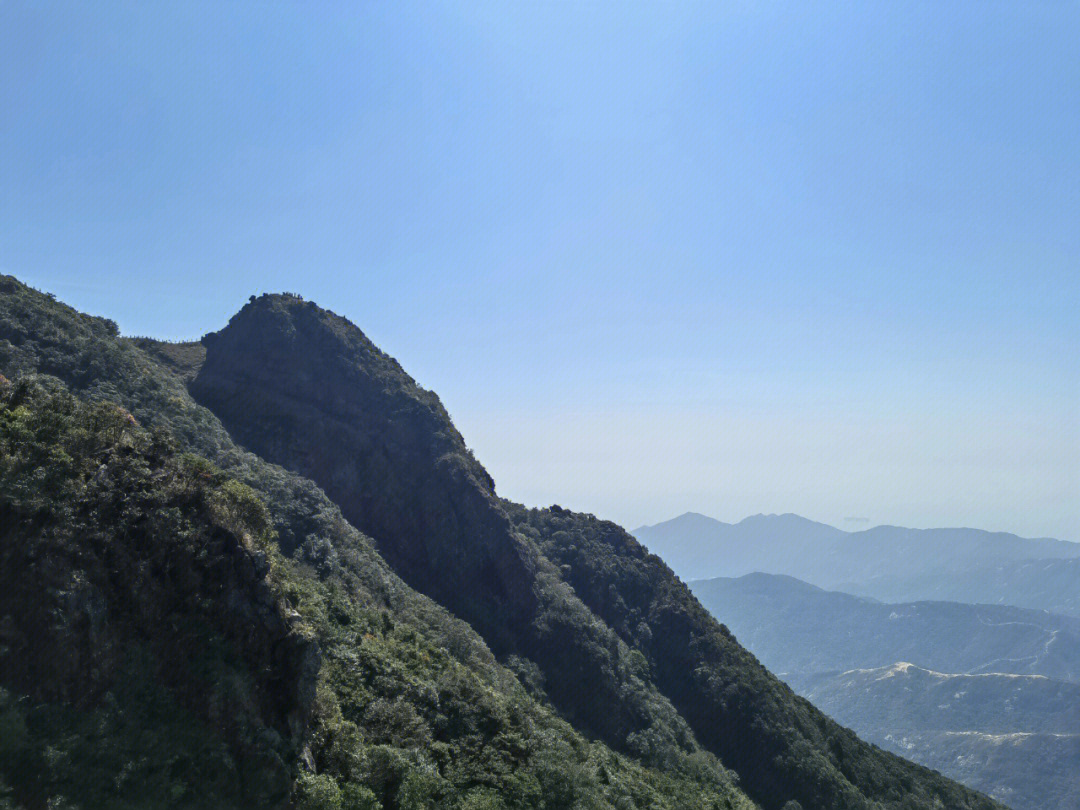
[(785, 519)]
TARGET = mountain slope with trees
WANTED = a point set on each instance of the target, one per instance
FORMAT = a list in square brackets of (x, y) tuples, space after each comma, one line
[(411, 709)]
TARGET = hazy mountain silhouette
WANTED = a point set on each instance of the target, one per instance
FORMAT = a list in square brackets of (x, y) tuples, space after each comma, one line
[(798, 628), (988, 694), (1016, 737), (885, 562)]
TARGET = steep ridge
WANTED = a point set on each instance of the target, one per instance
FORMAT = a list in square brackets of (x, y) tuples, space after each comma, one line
[(305, 389), (410, 708)]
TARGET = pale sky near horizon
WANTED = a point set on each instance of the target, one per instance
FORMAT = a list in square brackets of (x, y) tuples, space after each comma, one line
[(654, 257)]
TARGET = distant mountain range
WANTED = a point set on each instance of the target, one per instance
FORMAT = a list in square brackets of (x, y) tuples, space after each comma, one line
[(885, 562), (1043, 584), (907, 699), (795, 627), (986, 694), (1016, 737)]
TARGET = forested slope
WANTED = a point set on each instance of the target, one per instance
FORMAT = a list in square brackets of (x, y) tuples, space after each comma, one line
[(410, 708)]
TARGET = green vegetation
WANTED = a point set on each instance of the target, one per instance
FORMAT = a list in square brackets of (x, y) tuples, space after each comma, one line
[(242, 603), (136, 629), (184, 358), (385, 450), (416, 728), (728, 698), (406, 708)]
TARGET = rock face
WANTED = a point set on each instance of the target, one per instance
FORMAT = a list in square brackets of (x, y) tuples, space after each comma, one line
[(307, 390)]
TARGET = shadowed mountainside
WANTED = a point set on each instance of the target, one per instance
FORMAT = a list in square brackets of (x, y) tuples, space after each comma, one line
[(411, 710), (108, 537), (304, 388)]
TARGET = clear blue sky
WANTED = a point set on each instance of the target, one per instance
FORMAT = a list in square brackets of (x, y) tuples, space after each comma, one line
[(728, 257)]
